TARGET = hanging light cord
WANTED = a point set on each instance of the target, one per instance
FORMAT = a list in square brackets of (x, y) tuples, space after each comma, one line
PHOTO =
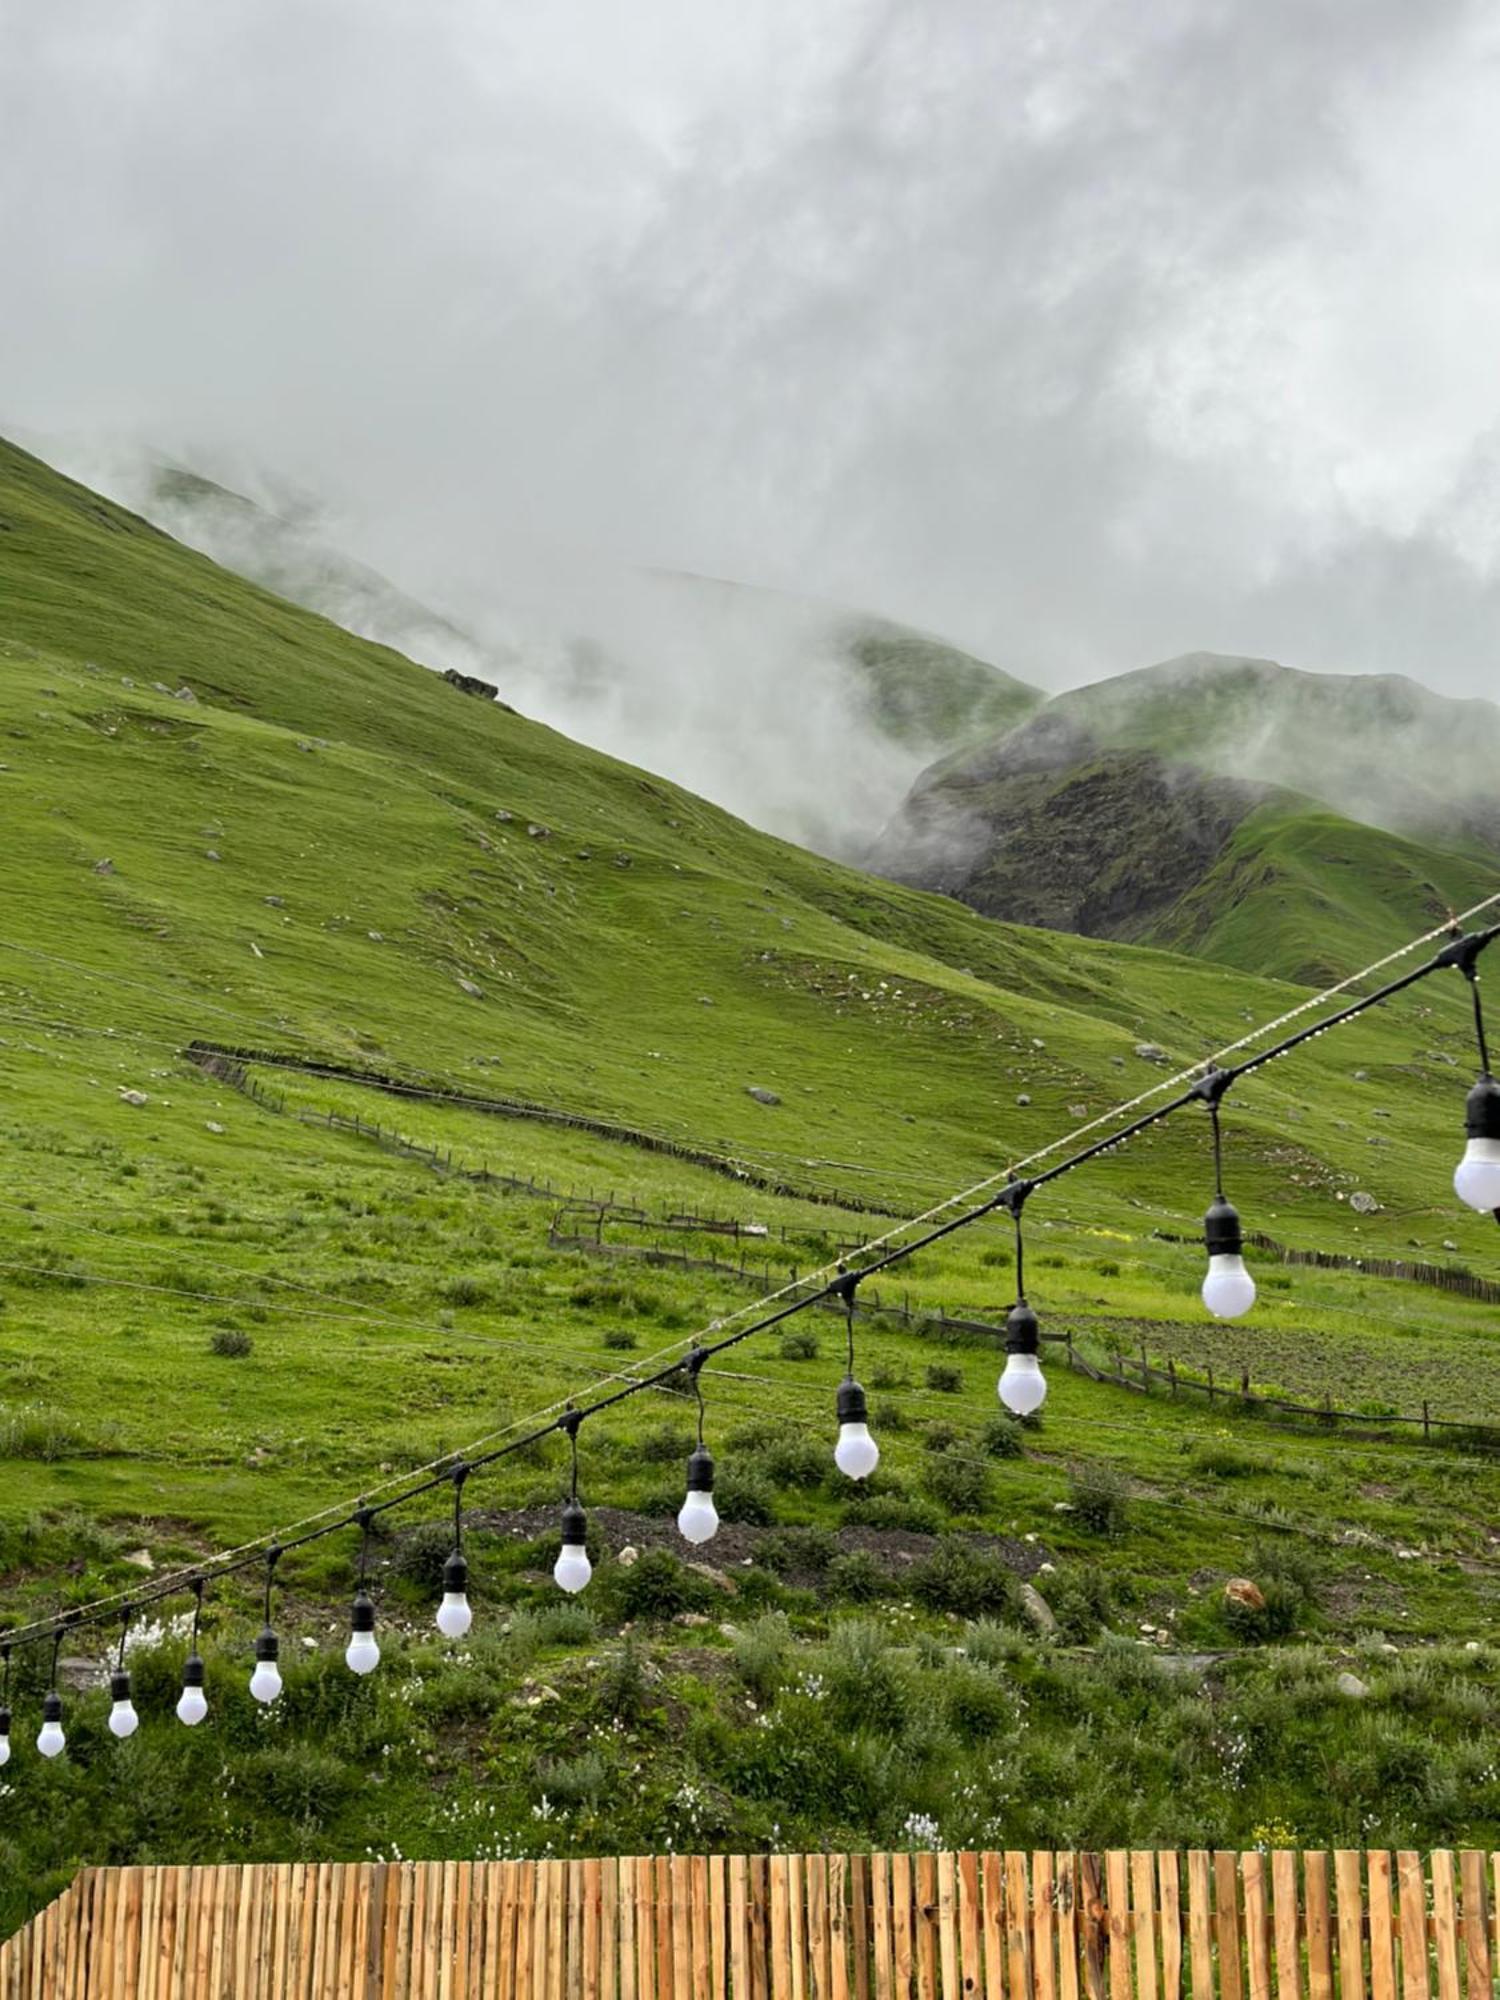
[(365, 1520), (5, 1696), (57, 1639), (571, 1424), (458, 1475), (125, 1618), (273, 1556), (197, 1588), (1461, 951)]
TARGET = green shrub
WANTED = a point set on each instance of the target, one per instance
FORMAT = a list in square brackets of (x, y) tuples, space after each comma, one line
[(465, 1290), (620, 1683), (744, 1497), (658, 1586), (300, 1782), (230, 1342), (886, 1375), (945, 1378), (1081, 1603), (789, 1550), (962, 1485), (958, 1577), (664, 1444), (418, 1555), (572, 1781), (978, 1703), (1222, 1461), (762, 1655), (890, 1417), (1100, 1499), (566, 1625), (890, 1510), (1002, 1437), (857, 1577), (799, 1346), (795, 1461), (620, 1338)]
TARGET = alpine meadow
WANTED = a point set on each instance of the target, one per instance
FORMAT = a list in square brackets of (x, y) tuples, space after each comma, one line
[(382, 1070)]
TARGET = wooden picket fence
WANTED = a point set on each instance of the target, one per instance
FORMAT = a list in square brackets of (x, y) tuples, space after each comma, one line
[(1142, 1924)]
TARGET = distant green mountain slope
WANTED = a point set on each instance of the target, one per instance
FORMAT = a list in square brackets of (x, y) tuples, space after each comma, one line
[(1189, 805)]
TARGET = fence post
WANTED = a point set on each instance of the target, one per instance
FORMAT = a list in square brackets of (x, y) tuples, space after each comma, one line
[(1426, 1421)]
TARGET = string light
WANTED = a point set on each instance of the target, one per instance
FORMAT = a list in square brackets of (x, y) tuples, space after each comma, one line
[(50, 1738), (1022, 1387), (856, 1454), (573, 1569), (1478, 1181), (698, 1518), (123, 1720), (362, 1654), (192, 1703), (1228, 1288), (454, 1616), (265, 1682)]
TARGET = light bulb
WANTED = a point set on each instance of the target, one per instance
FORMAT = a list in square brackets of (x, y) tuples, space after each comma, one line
[(1229, 1289), (192, 1703), (123, 1720), (50, 1740), (573, 1569), (856, 1454), (454, 1616), (1023, 1386), (698, 1518), (1476, 1179), (265, 1682), (362, 1655)]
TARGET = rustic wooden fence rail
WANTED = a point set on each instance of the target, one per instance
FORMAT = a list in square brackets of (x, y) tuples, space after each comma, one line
[(1142, 1924)]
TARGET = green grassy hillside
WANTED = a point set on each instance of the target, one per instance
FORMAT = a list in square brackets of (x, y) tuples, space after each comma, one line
[(224, 818)]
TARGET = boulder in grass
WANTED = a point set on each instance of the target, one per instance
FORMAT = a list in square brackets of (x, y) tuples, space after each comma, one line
[(1240, 1590), (760, 1094)]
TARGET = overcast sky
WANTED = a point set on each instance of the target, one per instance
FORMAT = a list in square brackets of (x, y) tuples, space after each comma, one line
[(1082, 333)]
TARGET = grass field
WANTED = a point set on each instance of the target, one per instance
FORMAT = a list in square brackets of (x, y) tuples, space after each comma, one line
[(323, 851)]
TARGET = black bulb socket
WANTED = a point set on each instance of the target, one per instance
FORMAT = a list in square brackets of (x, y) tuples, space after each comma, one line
[(455, 1580), (362, 1617), (700, 1470), (1222, 1235), (851, 1405), (575, 1526), (1482, 1110), (4, 1722), (52, 1707), (267, 1646), (119, 1686), (1023, 1332), (192, 1671)]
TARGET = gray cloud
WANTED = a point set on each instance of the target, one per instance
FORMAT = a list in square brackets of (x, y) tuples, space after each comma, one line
[(1086, 334)]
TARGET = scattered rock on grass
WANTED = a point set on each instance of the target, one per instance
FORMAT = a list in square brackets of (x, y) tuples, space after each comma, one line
[(1240, 1590), (761, 1095), (1037, 1609), (1352, 1686)]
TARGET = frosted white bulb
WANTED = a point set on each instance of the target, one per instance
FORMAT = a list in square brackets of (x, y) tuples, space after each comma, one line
[(265, 1682), (4, 1751), (698, 1519), (123, 1720), (1229, 1289), (1477, 1178), (573, 1568), (50, 1741), (455, 1615), (192, 1706), (1023, 1386), (856, 1454), (362, 1654)]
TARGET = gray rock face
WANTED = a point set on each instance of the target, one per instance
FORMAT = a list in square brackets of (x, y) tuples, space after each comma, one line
[(761, 1096), (1351, 1686)]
